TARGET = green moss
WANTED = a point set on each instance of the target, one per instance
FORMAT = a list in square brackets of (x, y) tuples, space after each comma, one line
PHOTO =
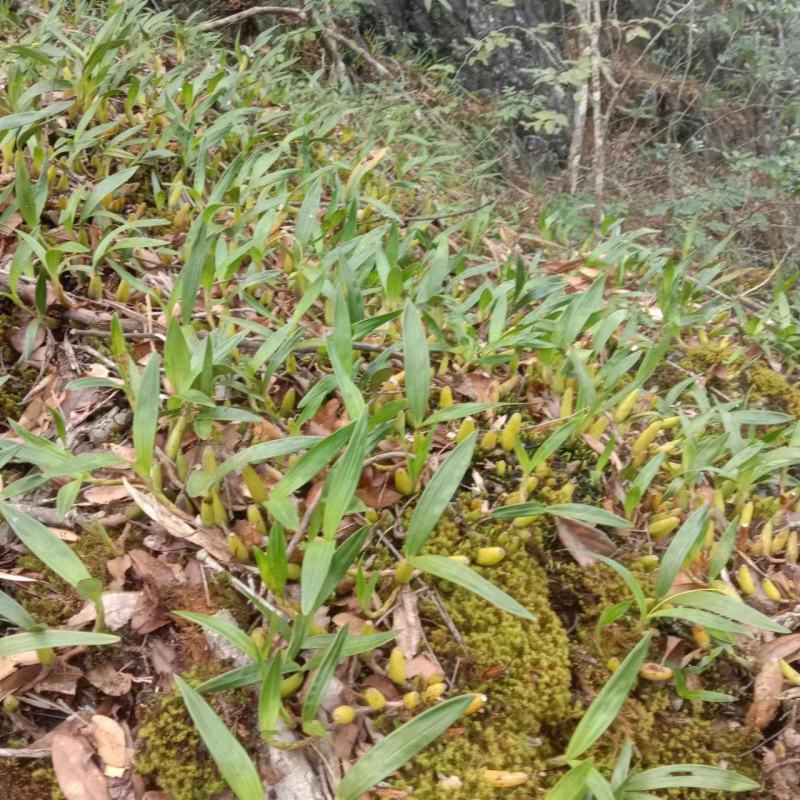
[(662, 734), (170, 752), (28, 780), (522, 666), (704, 357), (774, 387), (53, 601)]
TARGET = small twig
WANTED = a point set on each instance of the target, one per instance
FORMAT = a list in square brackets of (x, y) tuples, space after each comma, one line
[(357, 49), (23, 752), (444, 214), (254, 11)]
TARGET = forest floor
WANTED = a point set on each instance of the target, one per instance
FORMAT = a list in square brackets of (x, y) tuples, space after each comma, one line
[(335, 464)]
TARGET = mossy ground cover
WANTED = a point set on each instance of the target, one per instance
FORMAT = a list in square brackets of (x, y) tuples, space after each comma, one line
[(372, 385)]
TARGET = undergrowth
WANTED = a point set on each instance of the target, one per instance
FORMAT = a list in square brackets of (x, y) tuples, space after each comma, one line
[(366, 379)]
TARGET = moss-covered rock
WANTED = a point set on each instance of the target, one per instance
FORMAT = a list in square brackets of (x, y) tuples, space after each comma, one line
[(170, 752), (522, 666), (774, 387), (53, 601)]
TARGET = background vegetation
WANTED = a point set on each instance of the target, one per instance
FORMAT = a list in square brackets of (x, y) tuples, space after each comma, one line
[(397, 413)]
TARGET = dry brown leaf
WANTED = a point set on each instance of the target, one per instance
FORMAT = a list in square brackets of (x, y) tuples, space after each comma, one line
[(79, 778), (769, 681), (173, 523), (119, 609), (109, 680), (105, 495), (380, 496), (9, 664), (479, 387), (117, 567), (583, 541), (61, 679), (423, 667), (109, 741), (406, 621), (344, 737)]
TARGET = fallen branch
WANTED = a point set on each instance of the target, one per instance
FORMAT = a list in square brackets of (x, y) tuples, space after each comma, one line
[(329, 33), (254, 11)]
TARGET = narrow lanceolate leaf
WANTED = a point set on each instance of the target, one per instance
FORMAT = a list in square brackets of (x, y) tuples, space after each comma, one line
[(29, 642), (572, 786), (583, 513), (342, 482), (310, 464), (458, 411), (45, 545), (269, 698), (13, 121), (679, 548), (437, 495), (236, 636), (399, 747), (718, 603), (605, 707), (14, 613), (316, 566), (417, 363), (454, 571), (230, 757), (26, 202), (322, 678), (630, 582), (689, 776), (105, 187), (145, 416), (201, 481)]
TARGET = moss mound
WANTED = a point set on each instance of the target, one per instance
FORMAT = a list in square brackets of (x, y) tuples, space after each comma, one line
[(522, 666)]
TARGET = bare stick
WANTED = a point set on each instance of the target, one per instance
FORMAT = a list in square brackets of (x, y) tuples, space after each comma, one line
[(283, 11)]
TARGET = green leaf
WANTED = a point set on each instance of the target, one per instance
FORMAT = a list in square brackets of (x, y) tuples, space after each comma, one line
[(722, 550), (177, 358), (400, 746), (699, 617), (200, 481), (319, 684), (230, 757), (311, 464), (105, 187), (718, 603), (314, 572), (23, 189), (45, 545), (458, 411), (630, 582), (679, 548), (28, 642), (438, 493), (13, 121), (345, 555), (689, 776), (584, 513), (609, 700), (269, 698), (342, 482), (306, 223), (572, 786), (12, 611), (454, 571), (236, 636), (145, 416), (416, 362), (642, 481)]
